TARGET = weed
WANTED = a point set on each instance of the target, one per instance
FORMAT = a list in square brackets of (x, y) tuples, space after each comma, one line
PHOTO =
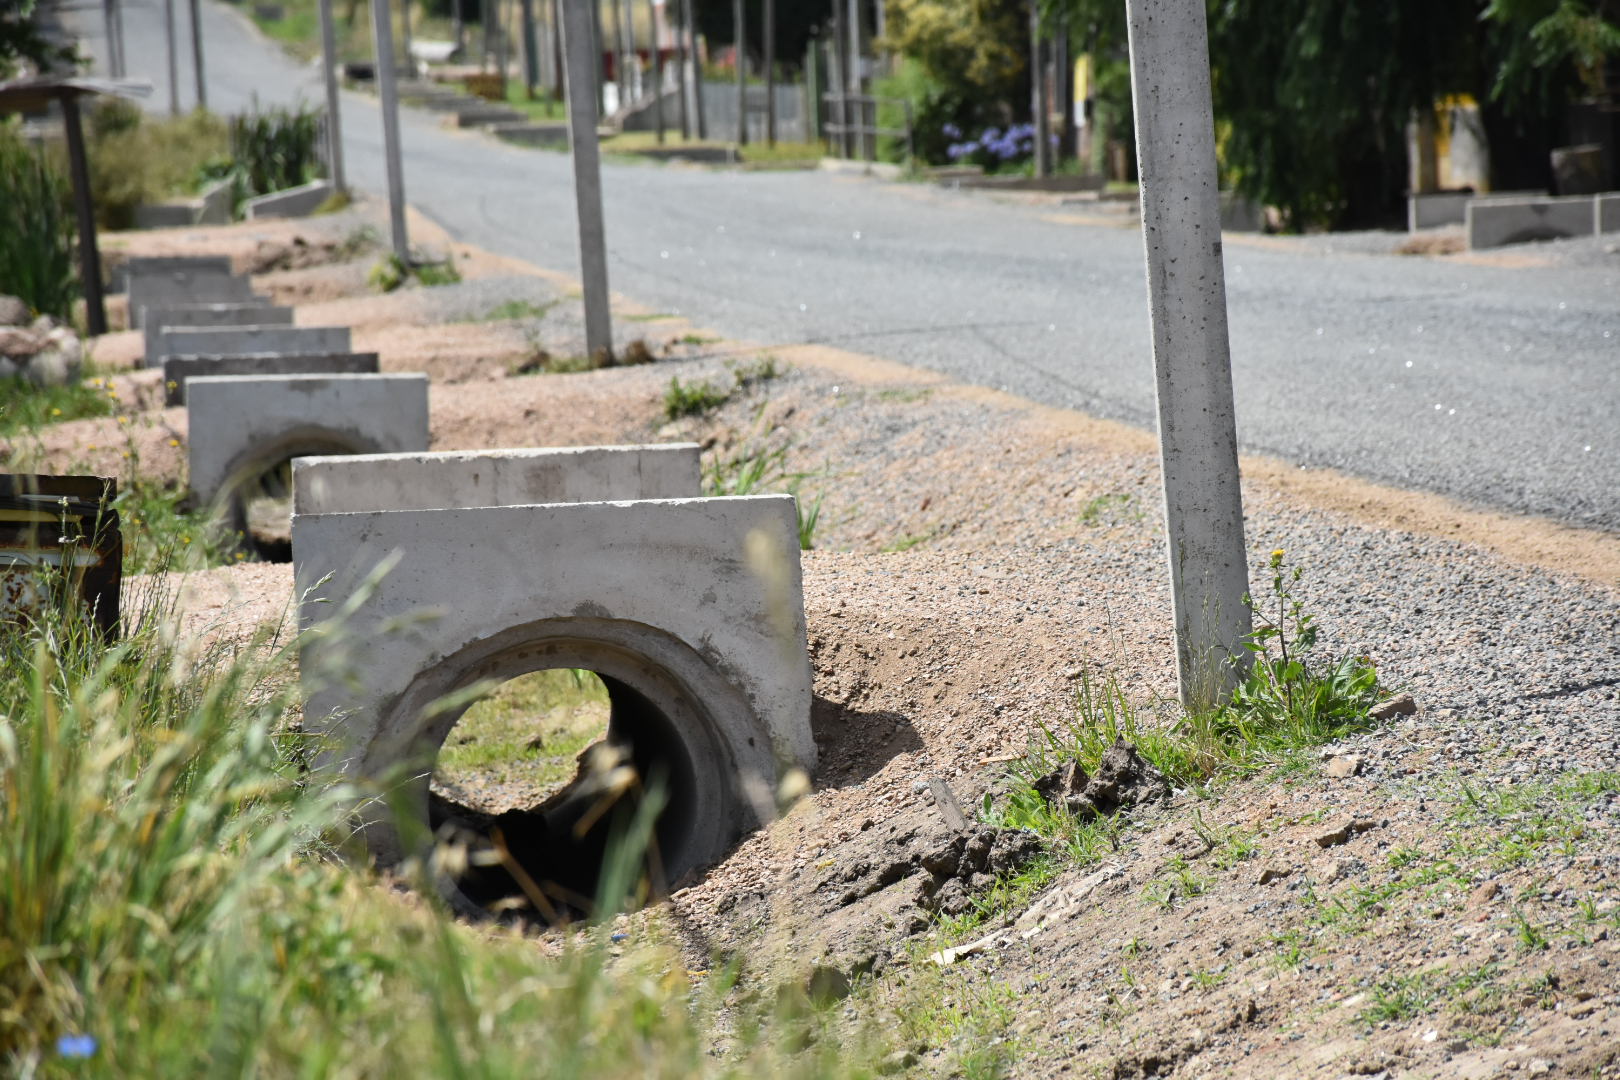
[(25, 407), (518, 309), (1208, 980), (1110, 510), (275, 149), (1177, 881), (748, 376), (692, 398), (696, 339), (911, 540), (1400, 998), (1531, 937), (1402, 857), (655, 316), (1290, 949), (758, 468), (391, 272)]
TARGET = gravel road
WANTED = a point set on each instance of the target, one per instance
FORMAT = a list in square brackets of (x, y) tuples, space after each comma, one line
[(1497, 383)]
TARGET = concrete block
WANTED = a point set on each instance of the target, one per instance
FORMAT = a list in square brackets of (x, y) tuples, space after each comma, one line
[(243, 425), (526, 134), (690, 610), (168, 264), (211, 206), (1492, 223), (237, 340), (154, 320), (1440, 208), (177, 370), (481, 114), (293, 202), (460, 479), (217, 203), (168, 287), (1606, 213)]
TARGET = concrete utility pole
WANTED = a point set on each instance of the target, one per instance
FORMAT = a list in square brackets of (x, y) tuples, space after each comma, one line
[(853, 73), (770, 72), (682, 87), (197, 55), (115, 39), (1041, 112), (698, 111), (405, 36), (382, 36), (583, 58), (621, 61), (531, 48), (174, 60), (738, 32), (334, 125), (657, 67), (1175, 146), (556, 52)]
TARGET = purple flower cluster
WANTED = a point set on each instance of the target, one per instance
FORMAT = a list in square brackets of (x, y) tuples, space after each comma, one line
[(994, 146)]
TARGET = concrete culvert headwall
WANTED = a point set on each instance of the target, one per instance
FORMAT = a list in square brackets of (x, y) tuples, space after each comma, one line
[(689, 610), (242, 427)]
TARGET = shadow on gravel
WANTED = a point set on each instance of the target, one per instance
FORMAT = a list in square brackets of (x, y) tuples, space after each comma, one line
[(852, 745)]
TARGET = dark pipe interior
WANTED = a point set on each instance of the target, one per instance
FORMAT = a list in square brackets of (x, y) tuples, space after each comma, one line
[(562, 859)]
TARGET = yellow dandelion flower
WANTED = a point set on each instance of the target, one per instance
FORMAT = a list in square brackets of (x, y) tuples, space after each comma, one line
[(56, 412), (126, 453), (1276, 553), (174, 442), (185, 539), (123, 419), (91, 446)]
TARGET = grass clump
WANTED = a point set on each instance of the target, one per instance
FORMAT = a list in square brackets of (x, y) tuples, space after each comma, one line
[(1288, 702), (169, 905), (692, 398), (36, 229), (136, 159), (517, 309), (391, 272), (26, 407)]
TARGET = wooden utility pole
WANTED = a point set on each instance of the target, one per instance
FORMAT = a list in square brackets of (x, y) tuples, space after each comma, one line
[(770, 72), (1181, 225), (584, 59), (738, 31), (382, 34), (621, 61), (334, 124), (197, 55), (852, 72)]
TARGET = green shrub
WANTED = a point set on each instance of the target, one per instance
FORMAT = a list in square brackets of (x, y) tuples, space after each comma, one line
[(276, 149), (134, 161), (36, 229)]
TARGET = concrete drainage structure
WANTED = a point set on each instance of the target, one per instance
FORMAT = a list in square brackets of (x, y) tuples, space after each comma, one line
[(241, 426), (155, 320), (238, 340), (178, 370), (690, 610)]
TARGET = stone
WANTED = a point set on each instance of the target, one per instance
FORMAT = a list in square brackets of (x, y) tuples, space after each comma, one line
[(1269, 874), (1341, 768), (1400, 705), (1343, 831), (1483, 894), (13, 312), (945, 801)]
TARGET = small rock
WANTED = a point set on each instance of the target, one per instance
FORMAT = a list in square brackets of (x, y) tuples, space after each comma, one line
[(1268, 874), (1400, 705), (826, 984), (1341, 768), (897, 1062), (1343, 831), (1484, 894), (1539, 1067), (13, 312)]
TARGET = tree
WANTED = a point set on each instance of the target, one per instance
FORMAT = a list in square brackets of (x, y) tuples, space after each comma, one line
[(797, 21), (22, 43)]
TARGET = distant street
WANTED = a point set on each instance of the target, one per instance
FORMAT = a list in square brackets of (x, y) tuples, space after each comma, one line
[(1498, 386)]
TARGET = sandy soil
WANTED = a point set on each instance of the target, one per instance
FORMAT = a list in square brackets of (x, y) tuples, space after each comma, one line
[(976, 555)]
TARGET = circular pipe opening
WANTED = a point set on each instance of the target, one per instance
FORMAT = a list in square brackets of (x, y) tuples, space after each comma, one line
[(545, 860), (257, 496)]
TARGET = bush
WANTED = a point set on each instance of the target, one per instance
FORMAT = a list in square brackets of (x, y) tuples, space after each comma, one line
[(276, 149), (36, 229), (136, 160)]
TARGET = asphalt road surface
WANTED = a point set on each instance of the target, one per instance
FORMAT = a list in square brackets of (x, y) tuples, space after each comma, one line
[(1499, 386)]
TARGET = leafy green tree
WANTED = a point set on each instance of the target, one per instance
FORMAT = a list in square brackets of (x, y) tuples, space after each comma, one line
[(21, 41)]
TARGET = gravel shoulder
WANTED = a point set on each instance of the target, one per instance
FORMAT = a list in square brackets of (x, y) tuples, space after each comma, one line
[(975, 555)]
